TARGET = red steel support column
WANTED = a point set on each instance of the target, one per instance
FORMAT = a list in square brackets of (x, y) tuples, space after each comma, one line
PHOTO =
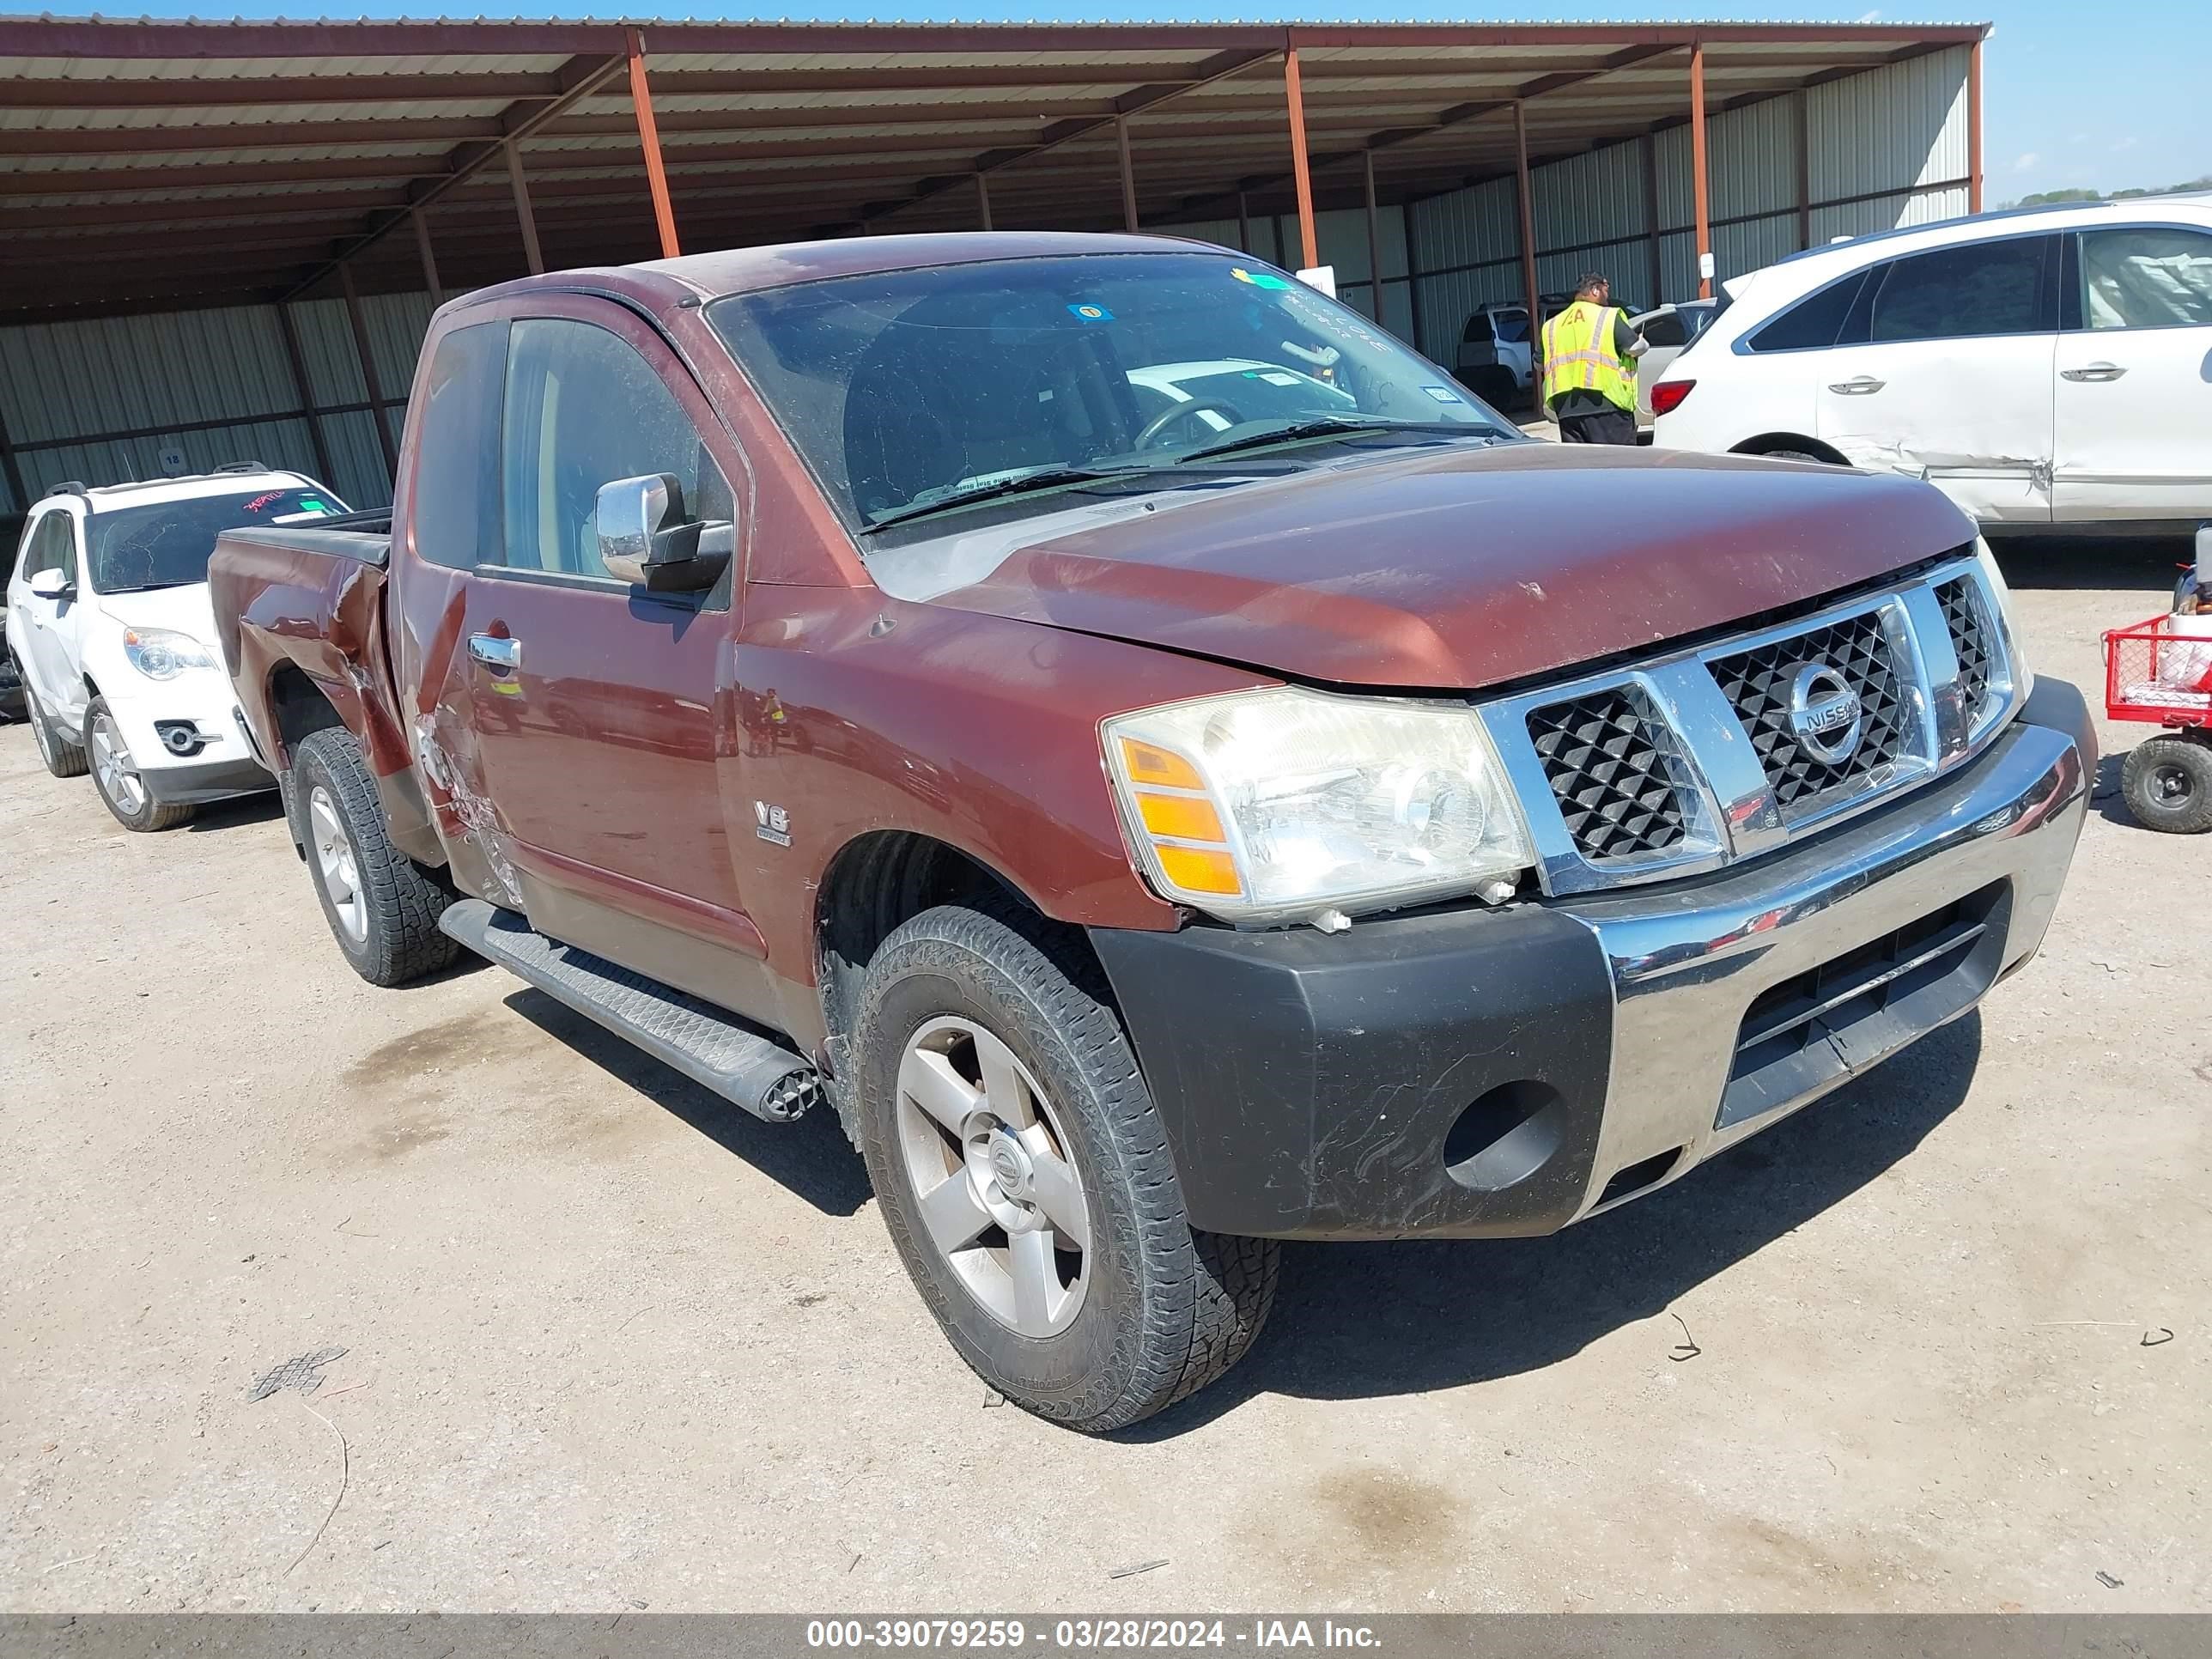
[(649, 134), (983, 199), (1413, 271), (1308, 249), (1697, 167), (421, 218), (1528, 250), (532, 256), (1129, 174), (1658, 267), (368, 371), (1804, 169), (1373, 239), (1974, 128)]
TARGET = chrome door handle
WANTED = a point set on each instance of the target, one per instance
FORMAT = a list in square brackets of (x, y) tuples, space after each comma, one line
[(2093, 372), (500, 654), (1858, 387)]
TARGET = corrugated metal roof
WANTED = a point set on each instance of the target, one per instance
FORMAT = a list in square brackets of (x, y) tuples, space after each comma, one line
[(274, 147)]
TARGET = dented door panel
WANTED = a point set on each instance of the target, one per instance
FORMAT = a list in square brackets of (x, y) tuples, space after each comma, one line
[(1973, 416)]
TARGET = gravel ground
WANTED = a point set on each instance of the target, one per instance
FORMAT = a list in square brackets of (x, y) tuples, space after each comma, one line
[(607, 1344)]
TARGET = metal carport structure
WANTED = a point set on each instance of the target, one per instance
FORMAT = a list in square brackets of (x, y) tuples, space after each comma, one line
[(314, 174)]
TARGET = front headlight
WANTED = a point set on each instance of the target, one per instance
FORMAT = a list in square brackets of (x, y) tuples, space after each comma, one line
[(2023, 676), (161, 654), (1286, 805)]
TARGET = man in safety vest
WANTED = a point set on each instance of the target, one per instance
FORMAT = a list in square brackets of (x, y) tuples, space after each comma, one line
[(1589, 367)]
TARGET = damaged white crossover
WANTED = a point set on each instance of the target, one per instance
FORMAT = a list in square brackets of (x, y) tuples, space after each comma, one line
[(2043, 367)]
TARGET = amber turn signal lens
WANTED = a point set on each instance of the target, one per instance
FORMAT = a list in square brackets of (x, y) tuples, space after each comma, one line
[(1149, 765), (1197, 870), (1182, 818)]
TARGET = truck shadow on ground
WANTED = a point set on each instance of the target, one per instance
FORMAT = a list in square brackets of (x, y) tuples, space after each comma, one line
[(2153, 563), (1365, 1320), (811, 1158), (221, 814)]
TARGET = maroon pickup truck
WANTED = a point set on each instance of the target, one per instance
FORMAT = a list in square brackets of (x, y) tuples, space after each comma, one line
[(1172, 771)]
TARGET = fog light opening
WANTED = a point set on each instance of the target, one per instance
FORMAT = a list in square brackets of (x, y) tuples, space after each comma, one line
[(1645, 1172), (1505, 1135)]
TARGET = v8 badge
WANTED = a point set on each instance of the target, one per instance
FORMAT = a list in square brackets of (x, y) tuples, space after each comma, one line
[(771, 824)]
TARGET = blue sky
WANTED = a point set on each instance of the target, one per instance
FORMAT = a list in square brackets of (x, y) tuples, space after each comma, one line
[(2076, 95)]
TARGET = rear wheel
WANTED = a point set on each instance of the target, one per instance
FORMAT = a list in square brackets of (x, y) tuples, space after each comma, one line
[(1795, 455), (382, 908), (1025, 1179), (2167, 784), (63, 759), (115, 775)]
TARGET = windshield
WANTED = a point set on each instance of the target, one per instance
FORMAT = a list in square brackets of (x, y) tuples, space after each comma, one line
[(915, 390), (166, 544)]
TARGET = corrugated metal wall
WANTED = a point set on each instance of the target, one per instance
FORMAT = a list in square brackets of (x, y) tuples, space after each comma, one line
[(194, 382), (1886, 147)]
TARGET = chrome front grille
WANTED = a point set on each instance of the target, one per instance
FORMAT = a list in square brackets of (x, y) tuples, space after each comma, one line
[(1758, 684), (1695, 759), (1971, 642), (1621, 789)]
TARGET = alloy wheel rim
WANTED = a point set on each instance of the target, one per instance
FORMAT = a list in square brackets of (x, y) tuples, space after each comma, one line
[(117, 771), (1001, 1200), (335, 863)]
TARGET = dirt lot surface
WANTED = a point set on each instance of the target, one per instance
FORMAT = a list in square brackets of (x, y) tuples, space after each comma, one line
[(608, 1344)]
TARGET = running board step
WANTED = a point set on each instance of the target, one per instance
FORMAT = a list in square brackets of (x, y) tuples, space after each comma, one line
[(713, 1048)]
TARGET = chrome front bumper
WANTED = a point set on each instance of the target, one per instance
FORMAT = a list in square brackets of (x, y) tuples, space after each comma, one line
[(1688, 964)]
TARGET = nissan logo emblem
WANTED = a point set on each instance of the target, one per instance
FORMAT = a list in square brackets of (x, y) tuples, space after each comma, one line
[(1825, 715)]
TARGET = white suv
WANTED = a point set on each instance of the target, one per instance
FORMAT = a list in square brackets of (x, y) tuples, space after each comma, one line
[(2048, 367), (108, 618)]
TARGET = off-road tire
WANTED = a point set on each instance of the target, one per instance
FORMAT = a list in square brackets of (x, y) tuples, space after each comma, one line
[(149, 815), (63, 759), (2167, 784), (1167, 1309), (401, 902)]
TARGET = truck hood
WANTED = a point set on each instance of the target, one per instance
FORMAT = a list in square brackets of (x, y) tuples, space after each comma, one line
[(187, 610), (1452, 568)]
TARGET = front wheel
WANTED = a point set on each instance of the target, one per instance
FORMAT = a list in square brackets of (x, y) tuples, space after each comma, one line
[(1025, 1179), (115, 775), (382, 908), (2167, 784)]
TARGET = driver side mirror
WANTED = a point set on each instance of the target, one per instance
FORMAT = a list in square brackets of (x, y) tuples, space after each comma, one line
[(52, 584), (646, 540)]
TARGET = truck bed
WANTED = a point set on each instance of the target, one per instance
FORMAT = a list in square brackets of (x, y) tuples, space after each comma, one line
[(299, 613)]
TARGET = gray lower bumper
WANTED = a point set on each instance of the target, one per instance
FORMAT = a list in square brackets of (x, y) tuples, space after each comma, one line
[(206, 780)]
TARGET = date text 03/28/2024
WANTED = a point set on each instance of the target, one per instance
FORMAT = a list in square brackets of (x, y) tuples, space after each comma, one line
[(1261, 1636)]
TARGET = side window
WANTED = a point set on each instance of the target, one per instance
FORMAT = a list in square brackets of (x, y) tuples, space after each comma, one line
[(1967, 292), (583, 409), (455, 509), (2149, 277), (51, 546), (1815, 321), (1478, 330), (1665, 329)]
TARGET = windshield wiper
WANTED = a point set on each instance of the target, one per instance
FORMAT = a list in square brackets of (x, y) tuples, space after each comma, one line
[(1043, 478), (1330, 426), (145, 587)]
